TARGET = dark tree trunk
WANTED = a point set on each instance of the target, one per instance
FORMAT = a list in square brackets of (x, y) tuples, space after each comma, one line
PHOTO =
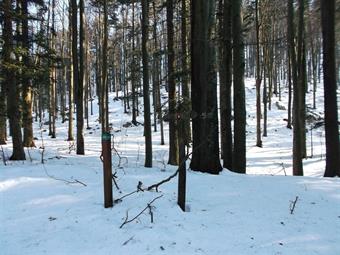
[(173, 139), (258, 78), (331, 109), (205, 155), (105, 88), (70, 78), (3, 110), (239, 157), (146, 96), (225, 87), (185, 71), (26, 81), (297, 155), (12, 87)]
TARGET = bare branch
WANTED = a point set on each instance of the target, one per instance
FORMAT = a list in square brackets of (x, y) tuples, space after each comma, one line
[(292, 204), (126, 221)]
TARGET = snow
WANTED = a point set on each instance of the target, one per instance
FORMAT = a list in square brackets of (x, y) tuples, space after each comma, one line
[(46, 209)]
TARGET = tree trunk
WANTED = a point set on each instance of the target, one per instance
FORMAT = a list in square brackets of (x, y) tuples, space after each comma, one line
[(146, 96), (11, 85), (239, 157), (258, 78), (331, 113), (185, 71), (225, 75), (205, 155), (297, 155), (70, 77), (26, 81), (104, 90), (173, 138)]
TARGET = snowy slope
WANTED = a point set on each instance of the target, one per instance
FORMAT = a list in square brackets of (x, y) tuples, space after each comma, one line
[(46, 209)]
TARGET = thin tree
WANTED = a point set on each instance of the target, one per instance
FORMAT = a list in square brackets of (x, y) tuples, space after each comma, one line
[(173, 136), (105, 88), (258, 77), (81, 77), (27, 93), (70, 76), (146, 96)]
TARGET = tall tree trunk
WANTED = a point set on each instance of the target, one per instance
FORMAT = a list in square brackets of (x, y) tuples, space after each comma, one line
[(301, 68), (258, 78), (297, 155), (239, 157), (53, 76), (173, 138), (156, 75), (11, 85), (70, 76), (225, 86), (105, 91), (134, 68), (26, 81), (205, 155), (185, 70), (146, 96), (331, 108)]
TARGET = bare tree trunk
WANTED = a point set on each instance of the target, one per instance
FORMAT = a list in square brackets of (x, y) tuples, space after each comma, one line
[(258, 78), (331, 109), (239, 157), (70, 76), (173, 138), (105, 91), (205, 157), (185, 71), (26, 81), (146, 96), (297, 155), (11, 85)]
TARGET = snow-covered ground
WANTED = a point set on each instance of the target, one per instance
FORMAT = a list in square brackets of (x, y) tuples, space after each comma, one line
[(47, 209)]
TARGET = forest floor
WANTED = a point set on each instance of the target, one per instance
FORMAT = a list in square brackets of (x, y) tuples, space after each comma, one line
[(57, 207)]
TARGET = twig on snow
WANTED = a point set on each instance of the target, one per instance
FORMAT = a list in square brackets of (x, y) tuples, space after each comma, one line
[(148, 207), (293, 204)]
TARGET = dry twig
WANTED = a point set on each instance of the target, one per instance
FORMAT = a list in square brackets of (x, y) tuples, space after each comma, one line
[(293, 204), (148, 207)]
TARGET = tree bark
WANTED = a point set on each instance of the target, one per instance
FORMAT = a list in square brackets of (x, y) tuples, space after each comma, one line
[(70, 77), (205, 157), (11, 84), (297, 155), (239, 156), (146, 96), (330, 88), (258, 78), (26, 82), (173, 136)]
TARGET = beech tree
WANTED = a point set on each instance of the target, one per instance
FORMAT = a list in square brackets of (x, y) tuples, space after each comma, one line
[(205, 155), (330, 88)]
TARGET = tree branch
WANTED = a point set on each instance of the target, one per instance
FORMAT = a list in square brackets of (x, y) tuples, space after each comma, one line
[(126, 221)]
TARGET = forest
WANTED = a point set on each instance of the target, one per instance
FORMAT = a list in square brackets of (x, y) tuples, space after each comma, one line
[(221, 107)]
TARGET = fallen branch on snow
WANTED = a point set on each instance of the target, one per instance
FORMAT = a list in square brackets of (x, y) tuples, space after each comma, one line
[(148, 207), (293, 204)]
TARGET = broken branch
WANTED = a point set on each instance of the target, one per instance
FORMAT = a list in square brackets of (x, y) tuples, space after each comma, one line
[(126, 221)]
